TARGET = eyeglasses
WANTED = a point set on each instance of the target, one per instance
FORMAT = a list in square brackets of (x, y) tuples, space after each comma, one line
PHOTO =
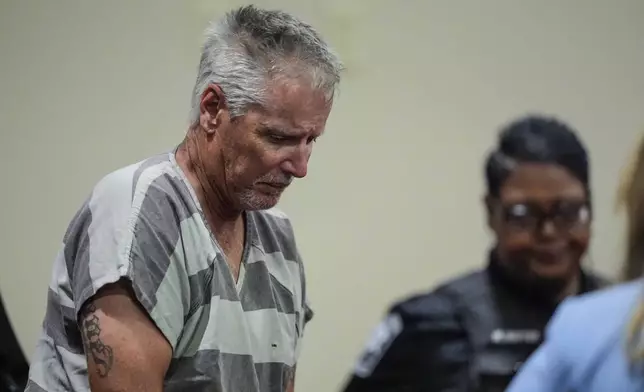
[(564, 215)]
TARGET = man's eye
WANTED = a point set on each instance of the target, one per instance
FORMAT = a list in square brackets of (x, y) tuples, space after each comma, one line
[(278, 138)]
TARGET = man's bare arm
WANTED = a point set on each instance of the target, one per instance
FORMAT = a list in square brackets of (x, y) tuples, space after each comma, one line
[(125, 350), (291, 383)]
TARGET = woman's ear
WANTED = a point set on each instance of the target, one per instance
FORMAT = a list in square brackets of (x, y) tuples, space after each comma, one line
[(489, 203)]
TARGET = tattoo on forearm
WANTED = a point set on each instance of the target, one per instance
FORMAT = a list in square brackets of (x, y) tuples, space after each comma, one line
[(290, 386), (101, 354)]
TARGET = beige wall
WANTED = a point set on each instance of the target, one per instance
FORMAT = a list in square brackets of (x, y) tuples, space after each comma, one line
[(391, 204)]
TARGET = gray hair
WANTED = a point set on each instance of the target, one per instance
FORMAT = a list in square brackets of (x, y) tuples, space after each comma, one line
[(249, 46)]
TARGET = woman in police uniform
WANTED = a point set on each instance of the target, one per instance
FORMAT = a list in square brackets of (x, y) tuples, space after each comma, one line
[(474, 332)]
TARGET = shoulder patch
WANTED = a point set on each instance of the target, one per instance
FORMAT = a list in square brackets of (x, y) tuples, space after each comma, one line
[(381, 339)]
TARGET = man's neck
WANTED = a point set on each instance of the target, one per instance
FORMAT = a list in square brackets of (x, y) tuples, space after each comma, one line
[(221, 218), (226, 224)]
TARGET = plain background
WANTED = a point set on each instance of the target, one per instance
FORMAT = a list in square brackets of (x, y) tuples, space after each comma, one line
[(392, 202)]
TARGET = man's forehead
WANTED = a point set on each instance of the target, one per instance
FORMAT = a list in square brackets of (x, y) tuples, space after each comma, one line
[(289, 94), (293, 126), (296, 106)]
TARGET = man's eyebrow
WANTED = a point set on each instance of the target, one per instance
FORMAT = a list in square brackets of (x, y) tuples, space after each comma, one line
[(278, 130)]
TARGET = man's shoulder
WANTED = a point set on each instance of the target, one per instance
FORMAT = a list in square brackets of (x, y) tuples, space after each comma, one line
[(123, 194), (152, 185), (123, 182)]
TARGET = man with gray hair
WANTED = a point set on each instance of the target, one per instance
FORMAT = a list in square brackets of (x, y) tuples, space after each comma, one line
[(177, 273)]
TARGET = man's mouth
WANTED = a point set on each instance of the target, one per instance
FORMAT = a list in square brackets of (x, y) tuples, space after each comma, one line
[(275, 185)]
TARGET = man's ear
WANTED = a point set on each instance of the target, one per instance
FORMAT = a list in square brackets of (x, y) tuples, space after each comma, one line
[(212, 107)]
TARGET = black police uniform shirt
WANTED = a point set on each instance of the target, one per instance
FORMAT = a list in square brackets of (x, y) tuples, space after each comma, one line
[(470, 334)]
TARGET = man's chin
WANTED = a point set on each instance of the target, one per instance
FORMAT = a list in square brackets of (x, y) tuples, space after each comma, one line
[(260, 202)]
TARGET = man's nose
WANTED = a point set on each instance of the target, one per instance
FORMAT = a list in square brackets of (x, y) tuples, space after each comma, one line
[(297, 164)]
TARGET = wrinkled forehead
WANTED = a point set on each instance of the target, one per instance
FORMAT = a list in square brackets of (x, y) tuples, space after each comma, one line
[(296, 104), (542, 184)]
